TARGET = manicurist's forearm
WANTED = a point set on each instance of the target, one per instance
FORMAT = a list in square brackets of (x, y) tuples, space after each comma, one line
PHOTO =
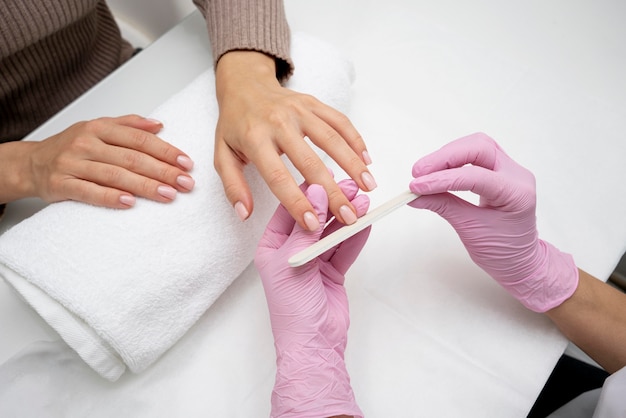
[(594, 318)]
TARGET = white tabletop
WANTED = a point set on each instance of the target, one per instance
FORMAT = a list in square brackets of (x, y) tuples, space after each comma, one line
[(431, 334)]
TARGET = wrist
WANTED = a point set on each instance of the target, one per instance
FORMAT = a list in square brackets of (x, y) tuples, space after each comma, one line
[(554, 280), (15, 173), (242, 66)]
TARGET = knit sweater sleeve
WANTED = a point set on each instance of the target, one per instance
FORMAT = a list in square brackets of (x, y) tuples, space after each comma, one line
[(256, 25)]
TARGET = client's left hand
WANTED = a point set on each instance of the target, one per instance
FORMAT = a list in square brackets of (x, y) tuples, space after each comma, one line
[(309, 311)]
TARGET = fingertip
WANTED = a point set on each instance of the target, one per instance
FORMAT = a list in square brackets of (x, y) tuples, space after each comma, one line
[(366, 157), (414, 187), (242, 212), (185, 162), (147, 124), (127, 200), (368, 180), (311, 221), (154, 122), (348, 216)]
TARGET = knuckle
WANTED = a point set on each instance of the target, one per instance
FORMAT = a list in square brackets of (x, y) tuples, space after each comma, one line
[(139, 139), (109, 197), (278, 178), (298, 203), (94, 126), (332, 136), (231, 190), (335, 194), (110, 174), (355, 161), (308, 99), (280, 120), (342, 119), (80, 144), (311, 164), (132, 160), (146, 186)]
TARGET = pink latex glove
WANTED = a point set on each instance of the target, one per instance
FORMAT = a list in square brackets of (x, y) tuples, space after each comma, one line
[(309, 311), (500, 234)]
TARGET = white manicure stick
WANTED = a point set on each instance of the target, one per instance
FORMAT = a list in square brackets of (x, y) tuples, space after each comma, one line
[(347, 231)]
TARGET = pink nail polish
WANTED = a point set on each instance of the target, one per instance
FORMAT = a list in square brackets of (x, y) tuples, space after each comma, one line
[(185, 162), (185, 182), (127, 200), (348, 216), (311, 221), (167, 192), (241, 211), (366, 158), (369, 181)]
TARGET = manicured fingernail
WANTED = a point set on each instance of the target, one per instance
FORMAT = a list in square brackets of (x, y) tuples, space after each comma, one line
[(167, 192), (369, 181), (366, 158), (241, 211), (348, 216), (185, 182), (127, 200), (185, 162), (311, 221)]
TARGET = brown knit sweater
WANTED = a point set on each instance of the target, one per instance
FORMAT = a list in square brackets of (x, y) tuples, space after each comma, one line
[(51, 51)]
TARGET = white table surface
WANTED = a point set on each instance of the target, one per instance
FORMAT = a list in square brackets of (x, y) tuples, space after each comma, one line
[(431, 334)]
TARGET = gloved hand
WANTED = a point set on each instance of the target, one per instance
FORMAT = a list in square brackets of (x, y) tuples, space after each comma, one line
[(500, 234), (309, 311)]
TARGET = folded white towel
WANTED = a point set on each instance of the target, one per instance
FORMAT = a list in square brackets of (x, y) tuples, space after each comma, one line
[(121, 287)]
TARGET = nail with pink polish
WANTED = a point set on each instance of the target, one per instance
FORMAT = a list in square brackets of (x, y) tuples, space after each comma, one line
[(369, 181), (348, 216), (185, 182), (167, 192), (127, 200), (311, 221), (366, 158), (185, 162), (241, 211), (156, 122)]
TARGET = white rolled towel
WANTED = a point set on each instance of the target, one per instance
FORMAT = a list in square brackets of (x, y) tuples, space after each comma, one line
[(122, 286)]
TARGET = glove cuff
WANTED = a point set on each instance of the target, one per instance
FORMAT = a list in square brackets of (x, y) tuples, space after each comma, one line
[(553, 282), (312, 383)]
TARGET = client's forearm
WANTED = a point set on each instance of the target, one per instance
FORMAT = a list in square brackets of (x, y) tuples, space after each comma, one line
[(14, 170)]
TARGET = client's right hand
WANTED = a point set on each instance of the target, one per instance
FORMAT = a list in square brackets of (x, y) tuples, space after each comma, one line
[(107, 162), (500, 233)]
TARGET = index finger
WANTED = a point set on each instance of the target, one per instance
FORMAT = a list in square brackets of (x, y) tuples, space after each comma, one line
[(128, 132), (476, 149)]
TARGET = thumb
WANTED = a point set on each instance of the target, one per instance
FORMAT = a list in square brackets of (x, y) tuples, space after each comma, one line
[(450, 207)]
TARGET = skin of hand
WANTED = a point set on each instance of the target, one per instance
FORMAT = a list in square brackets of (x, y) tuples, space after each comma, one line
[(103, 162), (500, 233), (594, 319), (260, 120), (309, 310)]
